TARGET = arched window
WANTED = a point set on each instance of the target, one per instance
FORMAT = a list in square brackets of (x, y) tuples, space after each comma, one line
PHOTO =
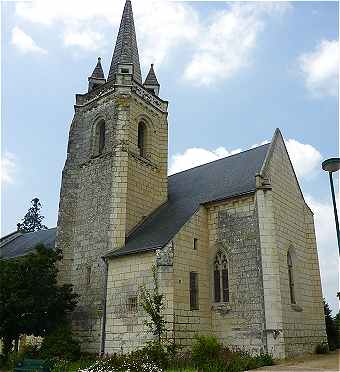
[(141, 138), (291, 278), (101, 137), (221, 278)]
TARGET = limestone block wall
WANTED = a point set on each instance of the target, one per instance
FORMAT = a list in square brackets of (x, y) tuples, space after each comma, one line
[(188, 323), (125, 324), (147, 175), (104, 195), (92, 208), (303, 322), (233, 229)]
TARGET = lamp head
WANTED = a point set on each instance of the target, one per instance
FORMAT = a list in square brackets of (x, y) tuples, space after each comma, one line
[(331, 165)]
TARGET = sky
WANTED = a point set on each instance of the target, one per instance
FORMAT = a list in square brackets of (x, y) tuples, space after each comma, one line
[(231, 71)]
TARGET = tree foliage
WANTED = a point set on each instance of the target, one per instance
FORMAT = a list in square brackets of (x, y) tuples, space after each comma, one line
[(31, 301), (330, 327), (152, 303), (33, 219)]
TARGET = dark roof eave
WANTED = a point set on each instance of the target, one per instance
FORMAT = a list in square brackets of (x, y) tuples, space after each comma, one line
[(238, 195), (119, 253)]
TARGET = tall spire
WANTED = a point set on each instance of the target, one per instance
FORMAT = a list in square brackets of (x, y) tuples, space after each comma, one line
[(126, 50)]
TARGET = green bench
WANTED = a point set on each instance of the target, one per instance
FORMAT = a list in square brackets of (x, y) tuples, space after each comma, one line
[(32, 365)]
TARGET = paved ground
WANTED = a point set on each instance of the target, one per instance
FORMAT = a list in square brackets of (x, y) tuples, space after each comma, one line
[(313, 362)]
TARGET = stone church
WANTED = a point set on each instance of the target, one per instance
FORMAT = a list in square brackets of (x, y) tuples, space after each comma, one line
[(232, 241)]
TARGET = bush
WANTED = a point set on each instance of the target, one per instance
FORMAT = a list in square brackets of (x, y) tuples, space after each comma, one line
[(155, 352), (205, 350), (31, 351), (322, 348), (60, 344), (136, 361), (181, 361), (2, 360)]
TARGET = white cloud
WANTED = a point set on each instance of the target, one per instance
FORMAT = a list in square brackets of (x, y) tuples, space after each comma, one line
[(327, 248), (320, 68), (87, 40), (24, 42), (196, 156), (306, 159), (8, 167), (161, 25), (218, 46), (226, 43)]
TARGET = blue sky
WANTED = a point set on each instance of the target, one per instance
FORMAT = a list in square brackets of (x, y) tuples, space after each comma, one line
[(232, 73)]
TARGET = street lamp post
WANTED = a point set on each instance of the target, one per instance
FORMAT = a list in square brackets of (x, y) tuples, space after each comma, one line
[(333, 165)]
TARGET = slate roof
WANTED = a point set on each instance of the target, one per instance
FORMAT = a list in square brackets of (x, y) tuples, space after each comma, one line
[(24, 243), (126, 50), (98, 72), (151, 78), (221, 179), (187, 190)]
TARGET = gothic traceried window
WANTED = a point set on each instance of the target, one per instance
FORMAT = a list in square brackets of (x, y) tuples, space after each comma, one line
[(291, 278), (141, 138), (221, 278)]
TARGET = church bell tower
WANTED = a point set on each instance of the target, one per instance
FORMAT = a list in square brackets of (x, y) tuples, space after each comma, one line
[(115, 174)]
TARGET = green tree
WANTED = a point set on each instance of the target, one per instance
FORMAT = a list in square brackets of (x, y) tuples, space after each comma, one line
[(330, 327), (153, 303), (33, 219), (31, 301)]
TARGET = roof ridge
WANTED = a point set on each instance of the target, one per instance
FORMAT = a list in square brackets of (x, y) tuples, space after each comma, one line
[(214, 161)]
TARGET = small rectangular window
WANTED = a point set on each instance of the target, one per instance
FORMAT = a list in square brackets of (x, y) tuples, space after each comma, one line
[(132, 304), (88, 275), (193, 291), (195, 244), (124, 70)]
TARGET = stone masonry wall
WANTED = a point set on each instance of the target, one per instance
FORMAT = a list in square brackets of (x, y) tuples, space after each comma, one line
[(303, 322), (188, 323), (125, 328), (231, 226), (105, 195), (147, 175), (233, 229)]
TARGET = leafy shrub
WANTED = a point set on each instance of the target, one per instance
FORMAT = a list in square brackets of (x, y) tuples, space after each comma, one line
[(205, 350), (181, 360), (242, 361), (264, 359), (137, 361), (216, 366), (155, 352), (322, 348), (12, 359), (60, 344), (31, 351), (2, 360)]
